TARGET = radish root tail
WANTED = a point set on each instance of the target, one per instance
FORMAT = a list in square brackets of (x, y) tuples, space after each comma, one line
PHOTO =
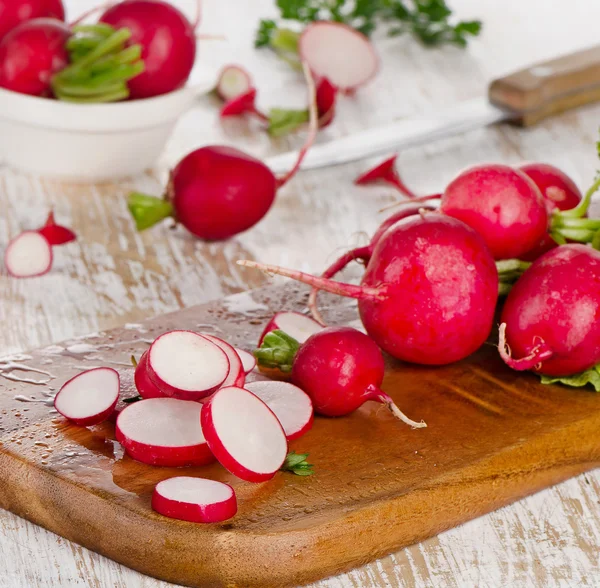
[(539, 353), (380, 396)]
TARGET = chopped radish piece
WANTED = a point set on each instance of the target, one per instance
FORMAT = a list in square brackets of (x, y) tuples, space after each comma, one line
[(291, 406), (233, 82), (248, 360), (296, 325), (163, 432), (244, 435), (196, 500), (28, 255), (338, 52), (186, 365), (385, 172), (56, 234), (90, 397), (145, 386), (237, 375)]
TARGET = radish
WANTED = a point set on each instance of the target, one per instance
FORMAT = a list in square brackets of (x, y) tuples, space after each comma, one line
[(28, 255), (14, 12), (385, 172), (244, 434), (194, 499), (217, 192), (339, 53), (163, 432), (550, 318), (244, 103), (429, 291), (237, 374), (233, 81), (145, 386), (56, 234), (248, 360), (31, 54), (186, 365), (168, 44), (90, 397), (289, 403), (296, 325)]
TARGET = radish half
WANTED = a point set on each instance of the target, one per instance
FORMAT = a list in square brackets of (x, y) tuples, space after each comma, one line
[(186, 365), (28, 255), (339, 53), (296, 325), (196, 500), (291, 406), (145, 386), (163, 432), (233, 82), (244, 435), (90, 397), (237, 375), (248, 360)]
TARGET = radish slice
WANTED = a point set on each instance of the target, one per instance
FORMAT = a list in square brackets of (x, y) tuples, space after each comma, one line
[(233, 82), (90, 397), (163, 432), (28, 255), (296, 325), (196, 500), (186, 365), (237, 375), (244, 435), (248, 360), (145, 386), (338, 52), (291, 406)]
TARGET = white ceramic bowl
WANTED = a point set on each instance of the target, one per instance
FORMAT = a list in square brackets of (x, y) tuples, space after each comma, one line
[(88, 142)]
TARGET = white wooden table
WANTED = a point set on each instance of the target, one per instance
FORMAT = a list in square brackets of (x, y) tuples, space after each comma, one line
[(113, 275)]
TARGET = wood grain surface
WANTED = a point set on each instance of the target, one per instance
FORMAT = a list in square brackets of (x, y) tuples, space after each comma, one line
[(114, 276)]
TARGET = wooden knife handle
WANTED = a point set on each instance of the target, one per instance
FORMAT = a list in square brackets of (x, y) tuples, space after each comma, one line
[(548, 88)]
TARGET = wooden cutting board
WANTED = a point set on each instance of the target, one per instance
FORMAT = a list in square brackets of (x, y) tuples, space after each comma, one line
[(494, 436)]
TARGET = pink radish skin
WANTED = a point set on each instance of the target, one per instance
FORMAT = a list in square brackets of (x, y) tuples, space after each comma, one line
[(326, 101), (233, 81), (145, 386), (195, 500), (296, 325), (385, 172), (550, 320), (56, 234), (248, 360), (186, 365), (243, 104), (28, 255), (90, 397), (233, 416), (14, 12), (292, 406), (31, 54), (236, 375), (163, 432)]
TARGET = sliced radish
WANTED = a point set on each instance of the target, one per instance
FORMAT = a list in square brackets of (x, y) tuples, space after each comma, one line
[(233, 81), (248, 360), (291, 406), (338, 52), (296, 325), (56, 234), (237, 375), (244, 435), (28, 255), (163, 432), (196, 500), (145, 386), (186, 365), (90, 397)]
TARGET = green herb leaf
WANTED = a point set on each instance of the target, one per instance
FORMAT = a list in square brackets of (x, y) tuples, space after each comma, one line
[(265, 31), (283, 121), (297, 464), (132, 399), (591, 376)]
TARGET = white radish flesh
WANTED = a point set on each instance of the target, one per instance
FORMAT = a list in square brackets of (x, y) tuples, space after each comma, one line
[(296, 325), (244, 434), (186, 365), (233, 82), (291, 405), (248, 360), (237, 375), (163, 432), (196, 500), (28, 255), (90, 397)]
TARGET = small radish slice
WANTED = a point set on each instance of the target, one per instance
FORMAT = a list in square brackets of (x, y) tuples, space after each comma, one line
[(163, 432), (28, 255), (244, 435), (145, 386), (296, 325), (338, 52), (196, 500), (237, 375), (90, 397), (233, 81), (186, 365), (291, 406), (248, 360), (56, 234)]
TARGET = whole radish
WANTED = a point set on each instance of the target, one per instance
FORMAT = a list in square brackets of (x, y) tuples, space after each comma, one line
[(429, 291), (168, 44), (551, 318), (31, 54), (14, 12)]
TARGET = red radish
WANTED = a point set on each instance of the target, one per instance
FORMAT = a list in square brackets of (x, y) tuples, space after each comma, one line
[(291, 406), (163, 432), (28, 255), (90, 397), (248, 360), (244, 434), (145, 386), (296, 325), (168, 44), (338, 52), (14, 12), (326, 99), (194, 499), (242, 104), (233, 81), (385, 172), (237, 375), (186, 365), (429, 291), (31, 54), (56, 234), (550, 320)]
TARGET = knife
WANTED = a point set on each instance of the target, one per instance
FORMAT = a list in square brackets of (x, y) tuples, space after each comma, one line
[(523, 98)]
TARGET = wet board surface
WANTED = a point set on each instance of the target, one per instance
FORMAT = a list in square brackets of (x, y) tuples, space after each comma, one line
[(493, 436)]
